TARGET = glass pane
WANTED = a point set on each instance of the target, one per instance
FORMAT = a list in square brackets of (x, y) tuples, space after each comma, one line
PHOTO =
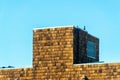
[(91, 49)]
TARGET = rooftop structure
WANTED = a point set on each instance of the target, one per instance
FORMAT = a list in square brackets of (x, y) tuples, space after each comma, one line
[(63, 53)]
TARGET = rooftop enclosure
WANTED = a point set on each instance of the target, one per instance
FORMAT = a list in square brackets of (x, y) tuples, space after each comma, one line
[(62, 53), (85, 47)]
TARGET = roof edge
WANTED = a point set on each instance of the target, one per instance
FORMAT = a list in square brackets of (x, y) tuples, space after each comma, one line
[(34, 29)]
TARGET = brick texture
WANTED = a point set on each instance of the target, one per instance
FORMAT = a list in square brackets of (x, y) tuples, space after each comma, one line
[(60, 54), (16, 74)]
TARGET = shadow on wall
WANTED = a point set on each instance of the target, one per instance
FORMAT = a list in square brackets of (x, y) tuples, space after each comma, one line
[(85, 78)]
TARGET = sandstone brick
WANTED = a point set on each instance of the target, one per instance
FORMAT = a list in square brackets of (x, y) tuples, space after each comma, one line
[(55, 52)]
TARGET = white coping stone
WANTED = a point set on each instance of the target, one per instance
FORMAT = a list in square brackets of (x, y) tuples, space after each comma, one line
[(96, 63), (15, 68), (34, 29)]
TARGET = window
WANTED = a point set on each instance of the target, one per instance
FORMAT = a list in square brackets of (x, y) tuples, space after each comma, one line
[(91, 49)]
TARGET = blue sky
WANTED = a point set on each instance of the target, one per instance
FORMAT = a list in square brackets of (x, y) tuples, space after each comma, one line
[(19, 17)]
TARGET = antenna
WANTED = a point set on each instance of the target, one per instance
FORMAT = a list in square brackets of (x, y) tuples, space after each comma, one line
[(84, 27)]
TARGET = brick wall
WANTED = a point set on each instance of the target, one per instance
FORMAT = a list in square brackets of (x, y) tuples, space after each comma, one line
[(54, 51), (16, 74)]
